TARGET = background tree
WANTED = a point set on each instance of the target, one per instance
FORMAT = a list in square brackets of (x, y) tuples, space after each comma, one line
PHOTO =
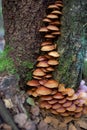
[(22, 20)]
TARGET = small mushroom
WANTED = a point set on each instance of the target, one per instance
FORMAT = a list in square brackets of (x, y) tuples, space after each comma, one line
[(74, 97), (50, 36), (67, 104), (43, 29), (61, 110), (48, 48), (62, 101), (43, 90), (56, 33), (47, 97), (71, 108), (69, 92), (48, 76), (45, 104), (46, 20), (51, 83), (52, 6), (55, 22), (46, 43), (41, 58), (53, 101), (50, 69), (59, 5), (58, 96), (53, 54), (52, 16), (56, 12), (38, 72), (54, 111), (56, 106), (52, 28), (65, 114), (33, 83), (43, 81), (61, 87), (42, 64), (53, 62), (78, 109)]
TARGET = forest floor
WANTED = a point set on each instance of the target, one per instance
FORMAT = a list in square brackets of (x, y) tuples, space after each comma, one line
[(27, 115)]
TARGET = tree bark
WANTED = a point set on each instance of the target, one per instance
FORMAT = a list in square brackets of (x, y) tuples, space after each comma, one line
[(22, 20)]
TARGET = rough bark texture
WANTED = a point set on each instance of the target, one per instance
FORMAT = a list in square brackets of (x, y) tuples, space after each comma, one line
[(22, 20)]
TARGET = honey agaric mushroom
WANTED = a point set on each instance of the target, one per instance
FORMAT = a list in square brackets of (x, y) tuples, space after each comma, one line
[(38, 72), (52, 7), (71, 108), (54, 92), (65, 114), (55, 22), (58, 96), (52, 28), (69, 92), (74, 97), (49, 36), (53, 62), (52, 16), (56, 33), (46, 20), (59, 1), (56, 12), (41, 58), (61, 87), (59, 5), (46, 43), (43, 29), (47, 97), (48, 76), (67, 104), (43, 81), (54, 111), (53, 54), (33, 83), (53, 101), (61, 110), (78, 109), (61, 101), (45, 104), (48, 48), (49, 69), (42, 64), (56, 106), (51, 83), (43, 90)]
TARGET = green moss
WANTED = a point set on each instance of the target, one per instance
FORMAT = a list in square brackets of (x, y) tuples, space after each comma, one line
[(6, 63), (85, 69)]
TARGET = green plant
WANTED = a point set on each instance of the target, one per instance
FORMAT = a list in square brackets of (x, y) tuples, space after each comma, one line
[(6, 63)]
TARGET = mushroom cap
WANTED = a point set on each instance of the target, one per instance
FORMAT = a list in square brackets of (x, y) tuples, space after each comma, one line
[(55, 22), (43, 81), (34, 94), (56, 33), (59, 1), (50, 69), (56, 106), (45, 104), (65, 114), (43, 29), (61, 87), (43, 90), (78, 109), (61, 101), (49, 36), (56, 12), (46, 97), (58, 96), (52, 27), (53, 54), (74, 97), (46, 20), (71, 108), (33, 83), (61, 110), (44, 69), (36, 77), (59, 5), (48, 48), (69, 91), (41, 58), (52, 6), (54, 111), (48, 76), (38, 72), (51, 83), (53, 62), (42, 64), (54, 91), (67, 104), (46, 43), (52, 16), (53, 101)]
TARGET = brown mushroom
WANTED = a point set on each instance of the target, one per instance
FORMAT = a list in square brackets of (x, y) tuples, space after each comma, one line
[(67, 104), (56, 33), (59, 5), (51, 83), (54, 111), (71, 108), (37, 77), (48, 76), (61, 110), (52, 28), (78, 109), (56, 12), (43, 90), (45, 104), (41, 58), (46, 43), (53, 54), (42, 64), (65, 114), (69, 91), (48, 48), (33, 83), (43, 81), (53, 62), (53, 101), (74, 97), (46, 20), (52, 6), (52, 16), (56, 106), (58, 96), (49, 69), (61, 101), (77, 115), (49, 36), (55, 22), (47, 97), (38, 72), (61, 87), (43, 29)]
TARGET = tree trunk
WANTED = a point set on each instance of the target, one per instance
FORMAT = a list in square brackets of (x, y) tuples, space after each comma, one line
[(22, 20)]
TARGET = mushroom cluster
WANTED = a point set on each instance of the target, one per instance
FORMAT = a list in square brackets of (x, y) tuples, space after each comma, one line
[(52, 94)]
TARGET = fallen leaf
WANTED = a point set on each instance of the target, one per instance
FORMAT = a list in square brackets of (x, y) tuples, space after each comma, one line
[(82, 124), (8, 103), (67, 119), (30, 101)]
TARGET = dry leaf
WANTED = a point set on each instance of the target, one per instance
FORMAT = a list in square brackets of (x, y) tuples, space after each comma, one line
[(72, 127), (82, 124), (8, 103)]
